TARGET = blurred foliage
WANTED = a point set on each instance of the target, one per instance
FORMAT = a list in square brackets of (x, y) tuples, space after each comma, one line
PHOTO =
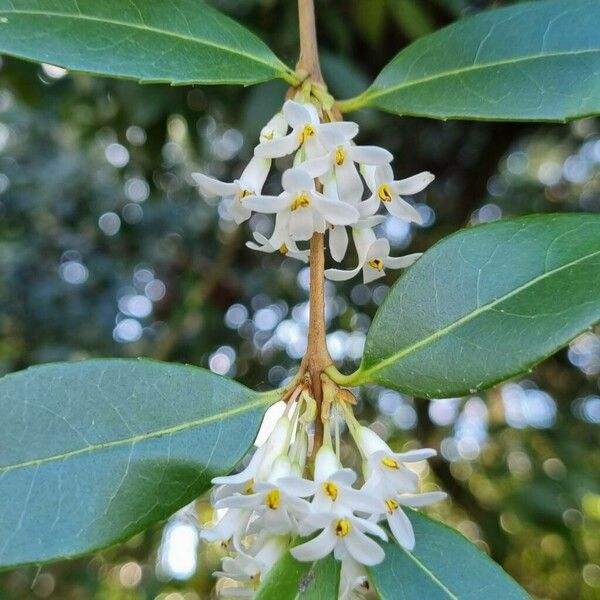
[(106, 249)]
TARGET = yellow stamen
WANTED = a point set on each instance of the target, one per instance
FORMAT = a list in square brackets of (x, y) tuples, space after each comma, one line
[(376, 263), (255, 579), (244, 194), (392, 505), (340, 156), (274, 499), (331, 490), (342, 527), (390, 462), (283, 249), (302, 201), (307, 131), (250, 487), (385, 193)]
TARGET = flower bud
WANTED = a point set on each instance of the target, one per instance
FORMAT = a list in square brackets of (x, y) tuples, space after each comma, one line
[(275, 446), (326, 463)]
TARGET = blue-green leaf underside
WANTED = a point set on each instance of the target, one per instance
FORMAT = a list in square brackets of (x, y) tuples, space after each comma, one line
[(443, 566), (172, 41), (535, 61), (485, 304), (93, 452), (290, 579)]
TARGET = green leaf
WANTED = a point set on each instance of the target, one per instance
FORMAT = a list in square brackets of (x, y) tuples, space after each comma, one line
[(485, 304), (290, 579), (174, 41), (444, 565), (537, 61), (93, 452)]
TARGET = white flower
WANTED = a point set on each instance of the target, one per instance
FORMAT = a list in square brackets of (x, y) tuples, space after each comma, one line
[(383, 188), (301, 208), (398, 522), (279, 241), (306, 132), (233, 524), (276, 127), (279, 507), (339, 161), (332, 489), (345, 534), (373, 257), (234, 194), (354, 583), (249, 569)]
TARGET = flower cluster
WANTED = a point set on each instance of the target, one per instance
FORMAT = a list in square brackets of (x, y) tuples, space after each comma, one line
[(271, 506), (323, 190)]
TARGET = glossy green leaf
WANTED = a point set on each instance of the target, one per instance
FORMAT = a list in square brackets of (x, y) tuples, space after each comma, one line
[(172, 41), (290, 579), (93, 452), (537, 61), (485, 304), (443, 566)]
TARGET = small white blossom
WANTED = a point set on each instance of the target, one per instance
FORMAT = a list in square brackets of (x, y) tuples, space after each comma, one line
[(234, 195), (306, 133), (385, 189), (302, 210), (345, 535), (373, 258)]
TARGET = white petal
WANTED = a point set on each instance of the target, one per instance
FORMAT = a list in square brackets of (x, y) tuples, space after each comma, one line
[(370, 527), (368, 172), (363, 549), (380, 248), (370, 222), (301, 225), (372, 445), (415, 455), (363, 239), (338, 242), (317, 548), (369, 206), (331, 138), (210, 186), (414, 184), (245, 475), (267, 204), (370, 155), (344, 476), (278, 147), (239, 501), (296, 486), (255, 174), (349, 183), (383, 174), (297, 180), (401, 262), (326, 463), (402, 529), (239, 211), (296, 114), (341, 274), (335, 211), (401, 209), (346, 129), (317, 167), (424, 499), (370, 274), (363, 502)]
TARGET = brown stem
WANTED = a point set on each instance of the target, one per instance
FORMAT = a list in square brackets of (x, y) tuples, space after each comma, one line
[(317, 357), (309, 52)]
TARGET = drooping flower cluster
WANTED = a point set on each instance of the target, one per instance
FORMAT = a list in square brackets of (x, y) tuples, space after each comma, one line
[(271, 506), (323, 190)]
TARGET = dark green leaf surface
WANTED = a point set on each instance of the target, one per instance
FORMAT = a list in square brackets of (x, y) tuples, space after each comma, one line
[(443, 566), (96, 451), (173, 41), (290, 579), (535, 61), (485, 304)]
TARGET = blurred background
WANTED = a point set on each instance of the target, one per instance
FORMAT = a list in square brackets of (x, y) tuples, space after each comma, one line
[(106, 249)]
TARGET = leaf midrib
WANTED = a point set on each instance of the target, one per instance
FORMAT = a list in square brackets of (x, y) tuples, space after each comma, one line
[(367, 96), (363, 376), (173, 34), (261, 400), (430, 573)]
